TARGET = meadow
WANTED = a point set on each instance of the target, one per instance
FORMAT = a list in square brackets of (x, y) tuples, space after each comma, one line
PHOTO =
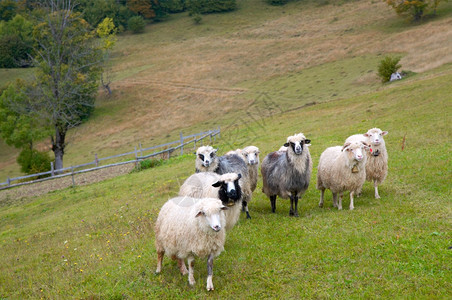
[(97, 241)]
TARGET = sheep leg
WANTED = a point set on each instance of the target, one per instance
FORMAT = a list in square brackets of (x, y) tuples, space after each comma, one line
[(182, 267), (273, 203), (191, 264), (210, 272), (322, 192), (351, 201), (340, 201), (245, 209), (159, 261), (377, 196), (293, 202), (334, 199)]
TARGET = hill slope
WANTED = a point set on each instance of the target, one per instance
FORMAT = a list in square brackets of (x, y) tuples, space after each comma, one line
[(181, 77)]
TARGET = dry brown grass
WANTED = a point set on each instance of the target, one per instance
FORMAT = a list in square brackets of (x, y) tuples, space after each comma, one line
[(178, 75)]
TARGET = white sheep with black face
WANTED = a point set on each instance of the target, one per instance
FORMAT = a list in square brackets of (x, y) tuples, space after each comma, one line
[(340, 169), (226, 187), (287, 173), (188, 227), (377, 156), (208, 161)]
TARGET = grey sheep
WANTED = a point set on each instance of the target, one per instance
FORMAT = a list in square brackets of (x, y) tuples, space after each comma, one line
[(287, 173)]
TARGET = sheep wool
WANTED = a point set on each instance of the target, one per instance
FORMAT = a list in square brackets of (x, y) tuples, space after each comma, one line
[(377, 156), (287, 173), (225, 187), (188, 227), (342, 169)]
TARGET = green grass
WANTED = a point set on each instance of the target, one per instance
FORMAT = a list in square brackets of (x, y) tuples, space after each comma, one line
[(97, 241)]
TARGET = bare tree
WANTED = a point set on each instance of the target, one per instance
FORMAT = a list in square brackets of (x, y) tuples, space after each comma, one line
[(68, 64)]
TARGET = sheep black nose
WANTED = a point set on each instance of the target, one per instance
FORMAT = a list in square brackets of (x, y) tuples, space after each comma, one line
[(217, 228), (252, 162), (232, 193)]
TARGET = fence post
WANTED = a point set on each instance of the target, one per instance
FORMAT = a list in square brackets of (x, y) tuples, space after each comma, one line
[(72, 171), (210, 136), (136, 157), (8, 181), (96, 160), (141, 150), (181, 144), (219, 132), (52, 168)]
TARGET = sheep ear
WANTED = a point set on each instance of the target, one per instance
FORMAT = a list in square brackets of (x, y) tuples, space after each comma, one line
[(194, 153), (345, 146), (217, 184), (366, 145), (239, 176), (200, 213), (215, 150), (224, 208), (366, 134), (307, 141), (384, 133), (286, 145)]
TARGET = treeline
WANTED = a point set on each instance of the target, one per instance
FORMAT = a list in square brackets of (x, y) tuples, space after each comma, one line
[(18, 18)]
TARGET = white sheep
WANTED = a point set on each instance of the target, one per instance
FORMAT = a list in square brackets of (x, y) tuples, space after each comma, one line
[(342, 169), (188, 227), (287, 173), (208, 161), (250, 155), (225, 187), (377, 156)]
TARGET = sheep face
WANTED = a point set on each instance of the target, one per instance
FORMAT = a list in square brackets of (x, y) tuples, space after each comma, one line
[(206, 155), (355, 150), (251, 155), (212, 217), (230, 191), (296, 143), (375, 136)]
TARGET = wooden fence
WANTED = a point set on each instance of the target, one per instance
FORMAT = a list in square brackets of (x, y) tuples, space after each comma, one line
[(138, 155)]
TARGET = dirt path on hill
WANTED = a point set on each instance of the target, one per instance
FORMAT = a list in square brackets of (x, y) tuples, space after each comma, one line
[(20, 193)]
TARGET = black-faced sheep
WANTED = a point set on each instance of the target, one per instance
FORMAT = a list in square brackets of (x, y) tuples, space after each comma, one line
[(287, 173), (342, 169), (188, 227), (225, 187), (377, 156), (208, 161)]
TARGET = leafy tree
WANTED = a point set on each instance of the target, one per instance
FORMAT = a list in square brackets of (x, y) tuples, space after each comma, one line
[(68, 66), (210, 6), (16, 43), (96, 11), (136, 24), (387, 66), (106, 31), (142, 7), (414, 8), (8, 9)]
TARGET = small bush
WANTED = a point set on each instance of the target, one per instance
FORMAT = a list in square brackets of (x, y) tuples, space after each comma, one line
[(148, 164), (387, 66), (136, 24), (210, 6), (276, 2), (197, 18), (32, 161)]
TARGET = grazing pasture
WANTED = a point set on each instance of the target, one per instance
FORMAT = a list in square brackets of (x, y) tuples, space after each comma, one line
[(97, 241), (296, 68)]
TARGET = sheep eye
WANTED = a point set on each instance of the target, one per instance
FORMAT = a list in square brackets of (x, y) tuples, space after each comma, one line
[(212, 154), (201, 156)]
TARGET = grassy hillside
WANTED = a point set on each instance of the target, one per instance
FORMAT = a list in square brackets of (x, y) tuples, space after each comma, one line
[(295, 54), (289, 69), (97, 241)]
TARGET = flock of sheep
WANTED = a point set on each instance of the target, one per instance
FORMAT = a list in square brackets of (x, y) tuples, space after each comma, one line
[(211, 199)]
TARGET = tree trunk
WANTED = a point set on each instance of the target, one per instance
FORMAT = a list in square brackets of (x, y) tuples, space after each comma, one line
[(58, 145)]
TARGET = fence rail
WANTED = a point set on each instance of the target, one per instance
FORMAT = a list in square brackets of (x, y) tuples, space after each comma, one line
[(138, 156)]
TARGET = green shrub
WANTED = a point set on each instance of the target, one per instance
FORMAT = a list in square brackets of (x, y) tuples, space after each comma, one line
[(148, 164), (387, 66), (32, 161), (210, 6), (276, 2), (136, 24)]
